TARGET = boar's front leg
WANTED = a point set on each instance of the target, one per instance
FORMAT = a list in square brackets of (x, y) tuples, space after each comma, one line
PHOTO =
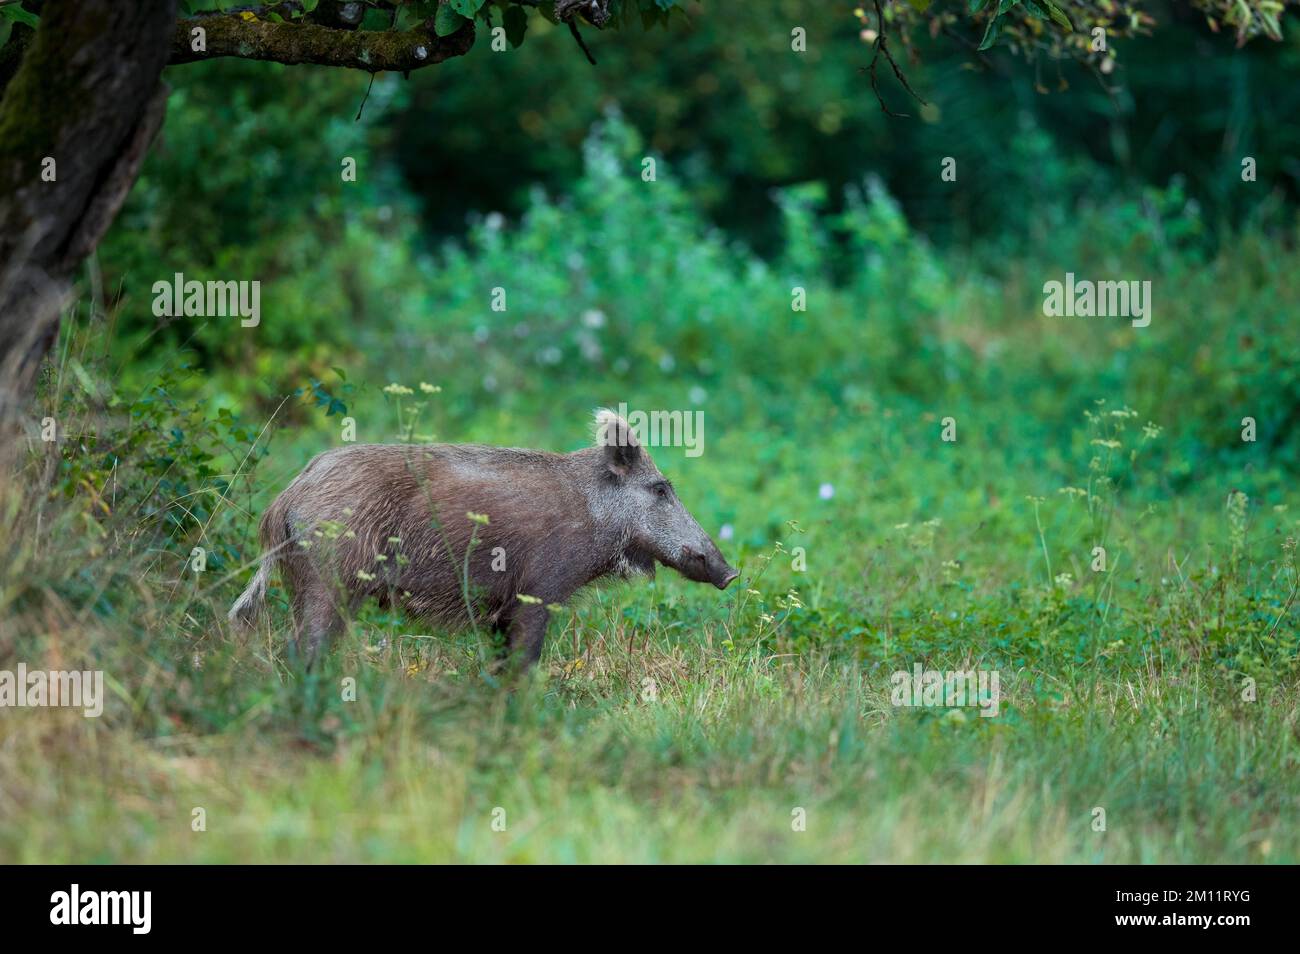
[(525, 635)]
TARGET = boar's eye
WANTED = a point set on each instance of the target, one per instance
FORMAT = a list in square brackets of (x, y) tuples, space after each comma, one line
[(660, 489)]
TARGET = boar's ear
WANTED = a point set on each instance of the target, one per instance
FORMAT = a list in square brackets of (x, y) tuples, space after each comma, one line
[(622, 449)]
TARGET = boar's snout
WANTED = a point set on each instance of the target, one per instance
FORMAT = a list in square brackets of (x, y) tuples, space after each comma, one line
[(707, 565)]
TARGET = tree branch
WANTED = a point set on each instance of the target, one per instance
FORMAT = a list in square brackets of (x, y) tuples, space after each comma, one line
[(573, 28), (300, 41), (882, 46), (595, 12)]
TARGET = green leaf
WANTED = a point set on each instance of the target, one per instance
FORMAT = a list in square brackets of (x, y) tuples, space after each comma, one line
[(16, 14), (309, 5), (1035, 10), (920, 6), (448, 21), (991, 33), (83, 377), (6, 26), (407, 17), (1058, 15), (977, 5), (515, 22), (466, 8), (1006, 5)]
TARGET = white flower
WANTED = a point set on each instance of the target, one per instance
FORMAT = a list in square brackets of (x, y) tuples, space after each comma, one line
[(727, 532), (593, 318), (826, 491)]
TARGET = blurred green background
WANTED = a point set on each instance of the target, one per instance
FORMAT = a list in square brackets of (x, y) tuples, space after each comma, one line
[(522, 170)]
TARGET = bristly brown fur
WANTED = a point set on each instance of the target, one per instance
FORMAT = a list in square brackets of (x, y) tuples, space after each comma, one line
[(391, 522)]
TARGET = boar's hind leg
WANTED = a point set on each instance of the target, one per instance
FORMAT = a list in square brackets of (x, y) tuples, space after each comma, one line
[(525, 636), (316, 618)]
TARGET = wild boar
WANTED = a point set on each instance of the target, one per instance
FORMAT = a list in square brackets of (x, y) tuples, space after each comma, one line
[(467, 533)]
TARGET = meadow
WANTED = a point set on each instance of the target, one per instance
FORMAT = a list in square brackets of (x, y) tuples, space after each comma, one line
[(1148, 701)]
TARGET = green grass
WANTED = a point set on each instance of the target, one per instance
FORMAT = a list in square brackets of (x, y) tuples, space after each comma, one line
[(668, 722), (586, 770), (1121, 691)]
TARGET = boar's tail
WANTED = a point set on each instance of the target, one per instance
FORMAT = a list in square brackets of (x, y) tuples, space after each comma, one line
[(275, 536), (250, 601)]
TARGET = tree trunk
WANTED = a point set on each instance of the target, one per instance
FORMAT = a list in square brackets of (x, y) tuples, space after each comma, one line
[(75, 122)]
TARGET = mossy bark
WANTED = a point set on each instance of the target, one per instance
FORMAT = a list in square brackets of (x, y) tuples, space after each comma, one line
[(247, 37), (11, 54), (86, 97)]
